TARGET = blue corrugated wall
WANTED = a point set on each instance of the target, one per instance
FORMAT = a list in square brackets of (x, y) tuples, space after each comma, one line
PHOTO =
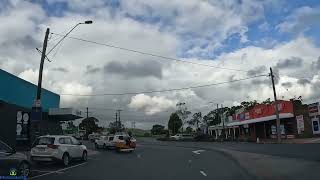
[(22, 93)]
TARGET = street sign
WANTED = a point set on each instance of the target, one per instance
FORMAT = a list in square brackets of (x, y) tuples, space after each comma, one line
[(37, 103)]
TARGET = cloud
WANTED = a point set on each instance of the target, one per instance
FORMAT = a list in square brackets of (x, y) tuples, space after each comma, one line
[(300, 20), (60, 69), (137, 69), (91, 70), (151, 104), (287, 84), (293, 62), (316, 64), (257, 71), (303, 82)]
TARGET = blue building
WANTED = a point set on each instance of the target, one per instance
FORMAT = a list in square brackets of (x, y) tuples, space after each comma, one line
[(16, 100), (23, 93)]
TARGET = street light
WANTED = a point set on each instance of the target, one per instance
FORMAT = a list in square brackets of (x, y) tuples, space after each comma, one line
[(36, 113), (85, 22)]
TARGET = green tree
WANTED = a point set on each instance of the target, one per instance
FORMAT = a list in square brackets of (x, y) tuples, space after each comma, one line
[(157, 129), (189, 130), (89, 124), (115, 126), (267, 101), (196, 119), (182, 112), (174, 123)]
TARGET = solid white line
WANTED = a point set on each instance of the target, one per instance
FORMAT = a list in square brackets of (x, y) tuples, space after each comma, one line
[(203, 173), (58, 171)]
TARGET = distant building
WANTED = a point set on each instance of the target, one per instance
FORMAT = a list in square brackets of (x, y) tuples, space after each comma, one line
[(260, 122), (16, 100)]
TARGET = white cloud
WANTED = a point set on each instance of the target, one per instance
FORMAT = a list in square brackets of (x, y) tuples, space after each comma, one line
[(211, 22), (151, 104), (300, 20)]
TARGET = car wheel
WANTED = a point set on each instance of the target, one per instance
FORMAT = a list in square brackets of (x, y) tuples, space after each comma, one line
[(104, 146), (65, 159), (24, 169), (84, 156)]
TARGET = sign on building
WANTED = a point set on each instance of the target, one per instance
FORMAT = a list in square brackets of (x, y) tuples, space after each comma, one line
[(313, 109), (300, 124)]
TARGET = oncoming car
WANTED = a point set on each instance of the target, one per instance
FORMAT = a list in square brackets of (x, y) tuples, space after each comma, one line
[(58, 148), (124, 143)]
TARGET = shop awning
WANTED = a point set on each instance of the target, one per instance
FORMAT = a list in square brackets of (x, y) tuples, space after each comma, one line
[(64, 114), (263, 119)]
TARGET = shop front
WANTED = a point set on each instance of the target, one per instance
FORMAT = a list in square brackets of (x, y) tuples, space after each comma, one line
[(314, 113)]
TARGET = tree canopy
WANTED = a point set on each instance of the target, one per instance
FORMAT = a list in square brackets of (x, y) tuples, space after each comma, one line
[(89, 124), (175, 123), (157, 129)]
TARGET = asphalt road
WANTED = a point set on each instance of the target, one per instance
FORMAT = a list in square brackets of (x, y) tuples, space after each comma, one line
[(147, 162), (191, 160)]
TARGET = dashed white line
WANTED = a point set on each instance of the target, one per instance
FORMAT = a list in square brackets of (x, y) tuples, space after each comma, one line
[(58, 171), (203, 173)]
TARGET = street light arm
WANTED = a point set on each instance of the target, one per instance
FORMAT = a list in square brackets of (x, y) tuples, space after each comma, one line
[(63, 38)]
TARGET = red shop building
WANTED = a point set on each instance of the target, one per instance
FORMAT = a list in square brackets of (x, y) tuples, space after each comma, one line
[(260, 122)]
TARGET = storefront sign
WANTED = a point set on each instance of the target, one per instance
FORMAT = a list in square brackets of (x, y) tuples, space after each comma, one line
[(315, 125), (264, 110), (300, 124), (313, 109), (23, 119)]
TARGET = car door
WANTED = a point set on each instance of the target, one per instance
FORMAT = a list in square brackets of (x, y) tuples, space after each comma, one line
[(70, 147), (7, 160), (77, 147)]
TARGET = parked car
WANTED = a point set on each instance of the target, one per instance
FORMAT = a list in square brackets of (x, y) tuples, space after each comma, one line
[(182, 137), (11, 161), (124, 142), (58, 148), (93, 137), (105, 142)]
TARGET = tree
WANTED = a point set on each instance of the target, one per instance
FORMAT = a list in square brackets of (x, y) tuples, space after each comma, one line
[(157, 129), (248, 104), (196, 119), (182, 112), (89, 124), (115, 127), (267, 101), (174, 123), (189, 130)]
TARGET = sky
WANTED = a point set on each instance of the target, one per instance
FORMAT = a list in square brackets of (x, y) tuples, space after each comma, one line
[(232, 40)]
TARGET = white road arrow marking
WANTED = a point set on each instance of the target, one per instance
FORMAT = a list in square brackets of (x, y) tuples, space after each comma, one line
[(203, 173), (198, 151)]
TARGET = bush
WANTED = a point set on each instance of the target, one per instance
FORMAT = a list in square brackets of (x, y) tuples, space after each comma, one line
[(147, 135)]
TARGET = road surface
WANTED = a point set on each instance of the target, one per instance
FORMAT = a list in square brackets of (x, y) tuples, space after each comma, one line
[(184, 160)]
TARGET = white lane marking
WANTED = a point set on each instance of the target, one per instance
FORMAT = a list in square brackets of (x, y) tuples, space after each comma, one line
[(58, 171), (198, 151), (203, 173)]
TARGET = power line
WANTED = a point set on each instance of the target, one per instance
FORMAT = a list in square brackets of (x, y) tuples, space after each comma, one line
[(165, 90), (149, 54)]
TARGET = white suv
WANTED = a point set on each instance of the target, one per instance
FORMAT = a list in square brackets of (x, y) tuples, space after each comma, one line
[(61, 148)]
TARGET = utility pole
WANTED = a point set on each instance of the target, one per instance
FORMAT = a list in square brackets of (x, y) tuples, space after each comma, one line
[(222, 118), (87, 112), (277, 107), (119, 120), (43, 56)]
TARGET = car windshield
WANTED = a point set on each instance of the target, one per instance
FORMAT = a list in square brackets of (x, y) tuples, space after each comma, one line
[(189, 89), (44, 141), (4, 147)]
